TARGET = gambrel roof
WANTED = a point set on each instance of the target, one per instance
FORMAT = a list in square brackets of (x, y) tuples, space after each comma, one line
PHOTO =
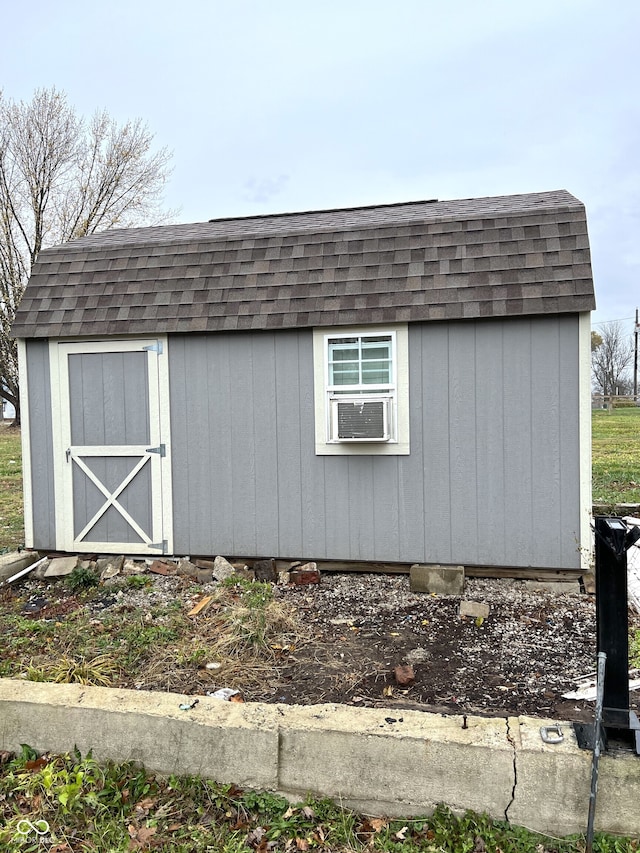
[(417, 261)]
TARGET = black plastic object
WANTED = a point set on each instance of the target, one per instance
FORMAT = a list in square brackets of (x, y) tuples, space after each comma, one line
[(620, 725)]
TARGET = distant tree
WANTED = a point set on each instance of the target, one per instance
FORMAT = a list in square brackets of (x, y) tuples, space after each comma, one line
[(611, 355), (62, 177)]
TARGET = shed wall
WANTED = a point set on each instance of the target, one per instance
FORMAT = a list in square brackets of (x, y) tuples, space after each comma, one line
[(40, 444), (493, 477)]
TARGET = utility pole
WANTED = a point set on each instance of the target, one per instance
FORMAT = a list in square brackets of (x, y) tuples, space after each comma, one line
[(635, 360)]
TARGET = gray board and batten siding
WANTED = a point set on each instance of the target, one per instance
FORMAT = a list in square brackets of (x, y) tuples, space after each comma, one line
[(495, 293), (483, 484)]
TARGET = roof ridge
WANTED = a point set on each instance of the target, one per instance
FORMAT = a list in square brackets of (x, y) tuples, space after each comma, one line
[(468, 209)]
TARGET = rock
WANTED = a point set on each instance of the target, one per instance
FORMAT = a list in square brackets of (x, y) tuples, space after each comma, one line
[(40, 572), (61, 566), (442, 580), (204, 576), (245, 573), (222, 569), (284, 577), (109, 567), (110, 571), (557, 587), (404, 675), (474, 609), (131, 567), (265, 570), (158, 567), (187, 569), (418, 655), (307, 573)]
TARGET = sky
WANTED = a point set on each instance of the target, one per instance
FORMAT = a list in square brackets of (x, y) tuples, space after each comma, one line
[(289, 105)]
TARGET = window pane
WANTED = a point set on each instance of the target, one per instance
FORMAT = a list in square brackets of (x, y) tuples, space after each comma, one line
[(347, 354), (375, 352), (344, 374), (376, 372)]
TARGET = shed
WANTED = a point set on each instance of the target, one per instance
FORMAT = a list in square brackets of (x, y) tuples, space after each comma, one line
[(399, 383)]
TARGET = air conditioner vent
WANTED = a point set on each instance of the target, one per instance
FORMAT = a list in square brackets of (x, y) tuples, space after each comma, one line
[(360, 419)]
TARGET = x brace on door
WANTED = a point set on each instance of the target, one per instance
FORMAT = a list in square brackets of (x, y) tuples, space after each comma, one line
[(75, 454)]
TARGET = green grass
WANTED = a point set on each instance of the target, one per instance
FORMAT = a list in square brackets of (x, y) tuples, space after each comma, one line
[(634, 649), (80, 805), (11, 508), (616, 456), (98, 651)]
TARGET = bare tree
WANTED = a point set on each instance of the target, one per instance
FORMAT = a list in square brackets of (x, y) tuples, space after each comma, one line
[(62, 178), (611, 355)]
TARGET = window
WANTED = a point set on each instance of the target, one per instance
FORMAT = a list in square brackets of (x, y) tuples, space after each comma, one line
[(360, 362), (361, 387), (361, 395)]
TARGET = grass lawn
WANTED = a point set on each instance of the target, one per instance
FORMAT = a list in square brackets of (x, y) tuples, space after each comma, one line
[(11, 508), (78, 805), (616, 455)]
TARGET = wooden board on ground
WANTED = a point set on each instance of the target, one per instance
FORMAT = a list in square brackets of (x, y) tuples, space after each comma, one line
[(534, 574)]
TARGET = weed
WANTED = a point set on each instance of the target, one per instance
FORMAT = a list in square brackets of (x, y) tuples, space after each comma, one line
[(82, 577), (99, 670), (132, 642), (35, 673), (193, 655), (251, 622), (138, 582)]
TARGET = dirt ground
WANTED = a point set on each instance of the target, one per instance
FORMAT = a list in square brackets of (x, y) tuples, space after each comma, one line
[(355, 629), (520, 660)]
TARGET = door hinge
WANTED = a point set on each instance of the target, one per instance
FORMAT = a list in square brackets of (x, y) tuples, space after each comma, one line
[(160, 546), (161, 449), (157, 348)]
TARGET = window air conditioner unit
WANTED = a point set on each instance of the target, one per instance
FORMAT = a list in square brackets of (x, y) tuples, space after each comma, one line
[(360, 418)]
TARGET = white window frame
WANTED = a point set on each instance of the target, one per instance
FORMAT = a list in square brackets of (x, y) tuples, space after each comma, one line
[(396, 392)]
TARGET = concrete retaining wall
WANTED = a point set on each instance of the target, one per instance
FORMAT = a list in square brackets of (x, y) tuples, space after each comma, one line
[(380, 761)]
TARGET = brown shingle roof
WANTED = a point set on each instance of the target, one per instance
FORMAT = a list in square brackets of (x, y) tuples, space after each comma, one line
[(509, 255)]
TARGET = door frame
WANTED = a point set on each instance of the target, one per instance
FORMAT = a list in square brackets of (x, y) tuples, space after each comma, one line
[(158, 376)]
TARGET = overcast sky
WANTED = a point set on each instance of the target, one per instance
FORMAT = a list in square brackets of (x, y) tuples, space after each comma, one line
[(291, 105)]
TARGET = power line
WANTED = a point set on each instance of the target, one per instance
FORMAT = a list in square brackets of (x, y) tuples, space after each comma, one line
[(618, 320)]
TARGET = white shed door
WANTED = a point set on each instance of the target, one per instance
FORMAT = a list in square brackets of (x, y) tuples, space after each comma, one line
[(114, 490)]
